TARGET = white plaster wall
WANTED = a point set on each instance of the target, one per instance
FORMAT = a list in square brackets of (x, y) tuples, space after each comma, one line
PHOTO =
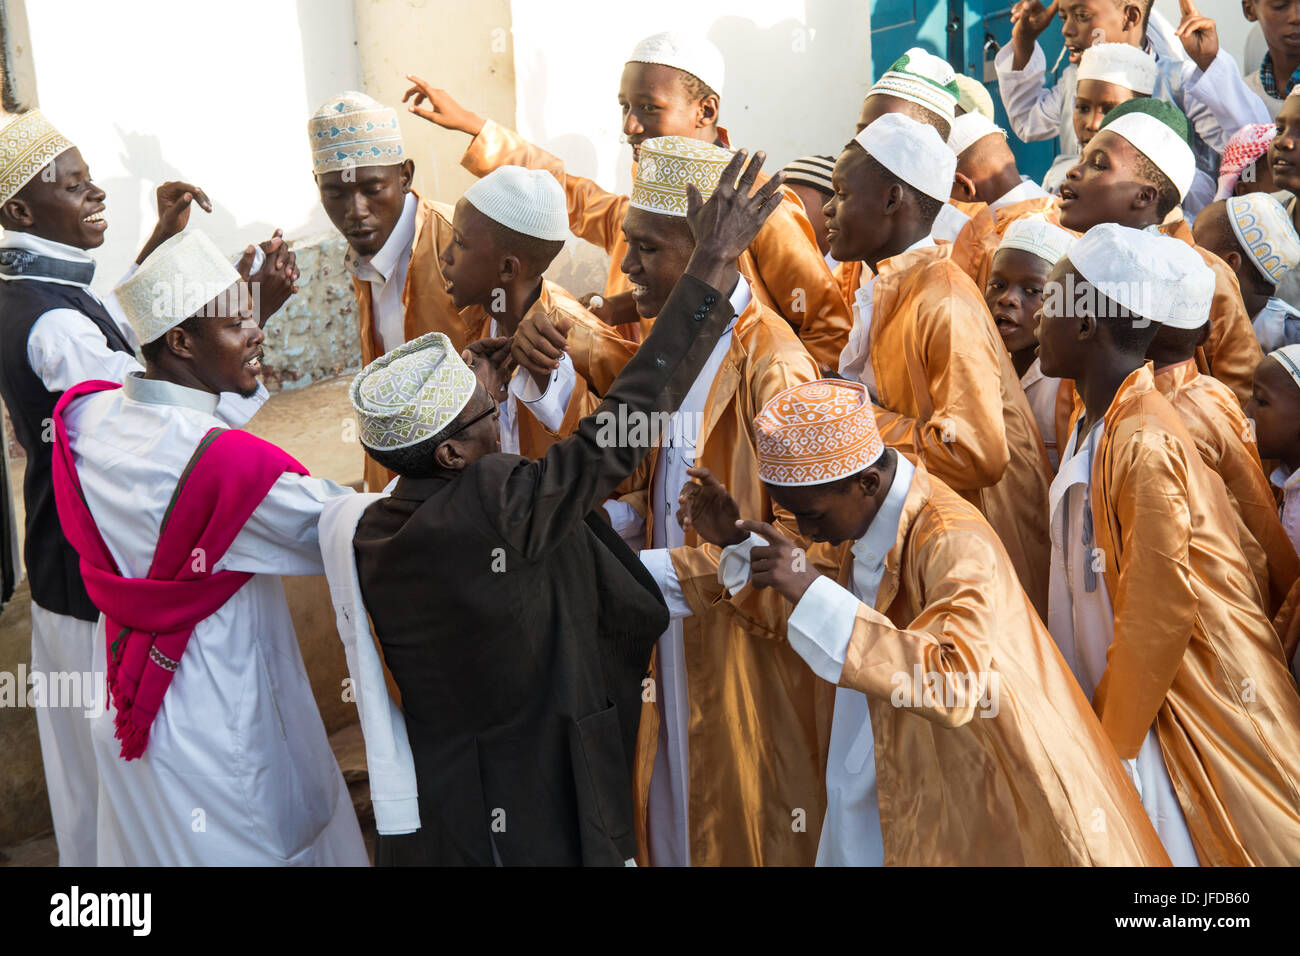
[(217, 94)]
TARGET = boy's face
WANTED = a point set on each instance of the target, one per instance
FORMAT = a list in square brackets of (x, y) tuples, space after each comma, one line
[(1213, 232), (834, 513), (1085, 22), (1103, 186), (855, 212), (471, 261), (813, 200), (658, 250), (1093, 100), (1255, 178), (1056, 332), (1274, 407), (64, 203), (1280, 22), (654, 102), (1014, 295), (365, 203), (1284, 151)]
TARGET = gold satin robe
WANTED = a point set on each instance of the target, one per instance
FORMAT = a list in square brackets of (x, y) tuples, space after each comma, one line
[(948, 393), (1232, 350), (1193, 652), (759, 719), (1225, 440), (1035, 784), (785, 269), (975, 245)]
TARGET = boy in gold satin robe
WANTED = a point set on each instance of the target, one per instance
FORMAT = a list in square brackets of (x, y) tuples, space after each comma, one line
[(671, 86), (959, 735), (1134, 171), (1158, 611), (924, 344)]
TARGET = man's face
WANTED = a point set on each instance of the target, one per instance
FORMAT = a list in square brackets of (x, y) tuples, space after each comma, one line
[(1103, 187), (64, 204), (1014, 295), (878, 104), (1274, 407), (658, 250), (470, 262), (832, 514), (1085, 22), (1280, 22), (813, 200), (484, 436), (227, 350), (855, 213), (1057, 329), (1284, 151), (365, 203), (654, 102), (1094, 99)]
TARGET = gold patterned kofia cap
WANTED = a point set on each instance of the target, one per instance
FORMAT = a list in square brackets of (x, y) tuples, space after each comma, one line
[(666, 164), (28, 142)]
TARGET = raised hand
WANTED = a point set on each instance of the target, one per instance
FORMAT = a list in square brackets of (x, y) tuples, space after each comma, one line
[(442, 110), (174, 199), (491, 363), (708, 509), (539, 344), (1199, 35), (724, 226), (1029, 19), (276, 280), (778, 565)]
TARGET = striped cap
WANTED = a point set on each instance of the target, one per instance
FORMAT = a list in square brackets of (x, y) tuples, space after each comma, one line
[(814, 171)]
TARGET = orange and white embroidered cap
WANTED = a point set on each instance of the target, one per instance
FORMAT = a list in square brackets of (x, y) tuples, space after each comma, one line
[(816, 432)]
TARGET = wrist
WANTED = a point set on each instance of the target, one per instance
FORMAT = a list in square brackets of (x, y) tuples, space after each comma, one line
[(156, 239), (472, 124), (1022, 49)]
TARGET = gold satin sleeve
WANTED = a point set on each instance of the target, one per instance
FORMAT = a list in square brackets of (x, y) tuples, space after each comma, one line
[(1154, 601), (598, 352), (594, 214), (954, 634), (964, 439), (795, 274), (1232, 350)]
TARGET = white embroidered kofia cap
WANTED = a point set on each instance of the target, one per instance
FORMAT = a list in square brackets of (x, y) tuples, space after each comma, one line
[(178, 279), (411, 393), (28, 142), (351, 130)]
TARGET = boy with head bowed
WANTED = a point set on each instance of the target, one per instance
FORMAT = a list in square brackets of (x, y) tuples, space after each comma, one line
[(1133, 173), (809, 178), (671, 86), (959, 736), (924, 344), (1154, 605), (732, 737), (55, 332), (1199, 78), (524, 738), (183, 528)]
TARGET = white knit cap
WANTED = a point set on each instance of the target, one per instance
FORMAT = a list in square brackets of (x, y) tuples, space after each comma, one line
[(411, 393), (972, 95), (921, 78), (1121, 64), (177, 280), (1158, 141), (1157, 277), (970, 128), (687, 52), (351, 130), (1038, 237), (1266, 233), (530, 201), (912, 151)]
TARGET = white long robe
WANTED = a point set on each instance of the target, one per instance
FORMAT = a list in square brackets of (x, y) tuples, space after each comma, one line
[(1082, 622), (238, 769)]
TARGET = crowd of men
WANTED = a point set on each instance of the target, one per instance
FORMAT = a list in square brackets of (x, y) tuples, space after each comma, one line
[(890, 509)]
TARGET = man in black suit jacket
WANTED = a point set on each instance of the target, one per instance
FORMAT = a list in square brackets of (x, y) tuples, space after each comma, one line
[(516, 623)]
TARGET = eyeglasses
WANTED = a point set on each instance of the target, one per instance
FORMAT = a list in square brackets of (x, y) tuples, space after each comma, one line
[(491, 410)]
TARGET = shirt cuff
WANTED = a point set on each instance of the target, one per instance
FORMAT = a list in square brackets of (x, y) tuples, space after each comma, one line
[(1036, 66), (659, 562), (821, 627), (623, 518), (733, 565), (547, 407)]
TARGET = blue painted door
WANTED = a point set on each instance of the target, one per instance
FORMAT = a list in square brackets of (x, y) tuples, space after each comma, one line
[(968, 33)]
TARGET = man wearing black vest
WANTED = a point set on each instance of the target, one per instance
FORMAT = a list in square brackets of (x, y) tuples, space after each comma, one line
[(516, 622), (55, 332)]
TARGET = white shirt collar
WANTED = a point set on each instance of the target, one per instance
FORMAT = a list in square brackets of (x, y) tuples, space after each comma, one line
[(384, 262), (872, 547), (151, 391), (43, 247), (1282, 477), (1275, 304), (1032, 374), (867, 277), (1028, 189), (740, 298)]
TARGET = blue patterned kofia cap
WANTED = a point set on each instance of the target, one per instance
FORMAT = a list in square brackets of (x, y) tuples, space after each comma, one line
[(353, 129), (1266, 233)]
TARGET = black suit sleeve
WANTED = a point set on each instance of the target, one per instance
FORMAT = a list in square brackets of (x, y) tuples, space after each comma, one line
[(539, 501)]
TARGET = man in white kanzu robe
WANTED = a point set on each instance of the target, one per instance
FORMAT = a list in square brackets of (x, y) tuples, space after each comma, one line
[(238, 770)]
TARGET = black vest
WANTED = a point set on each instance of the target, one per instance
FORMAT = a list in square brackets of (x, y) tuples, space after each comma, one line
[(52, 564)]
